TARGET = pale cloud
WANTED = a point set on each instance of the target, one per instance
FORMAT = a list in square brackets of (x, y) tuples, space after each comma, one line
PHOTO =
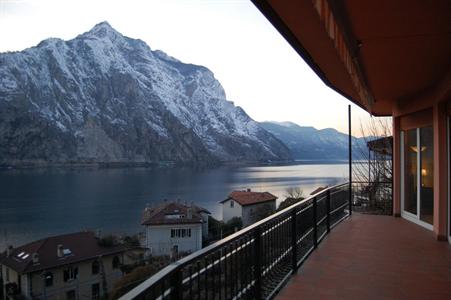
[(258, 69)]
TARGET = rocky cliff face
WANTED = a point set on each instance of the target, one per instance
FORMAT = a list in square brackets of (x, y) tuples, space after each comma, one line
[(104, 97)]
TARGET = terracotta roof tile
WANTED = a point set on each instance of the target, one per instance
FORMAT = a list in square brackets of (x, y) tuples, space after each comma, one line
[(249, 198), (79, 246), (160, 215), (319, 189)]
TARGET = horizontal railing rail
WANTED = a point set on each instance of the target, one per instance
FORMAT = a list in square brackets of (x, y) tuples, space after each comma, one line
[(256, 261)]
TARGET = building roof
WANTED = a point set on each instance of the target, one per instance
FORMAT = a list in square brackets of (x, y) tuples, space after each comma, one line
[(250, 198), (382, 55), (172, 212), (383, 145), (319, 189), (76, 247)]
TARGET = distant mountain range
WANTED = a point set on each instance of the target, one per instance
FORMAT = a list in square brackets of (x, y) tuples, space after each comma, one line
[(310, 143), (106, 98)]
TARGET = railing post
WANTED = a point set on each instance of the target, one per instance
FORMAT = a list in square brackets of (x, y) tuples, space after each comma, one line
[(350, 159), (350, 198), (294, 248), (315, 224), (176, 285), (328, 210), (258, 266)]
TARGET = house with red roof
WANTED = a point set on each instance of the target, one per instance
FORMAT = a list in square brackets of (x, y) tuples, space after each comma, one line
[(174, 227), (70, 266), (248, 205)]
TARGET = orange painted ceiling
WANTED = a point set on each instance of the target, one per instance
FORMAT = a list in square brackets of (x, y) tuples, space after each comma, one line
[(402, 47)]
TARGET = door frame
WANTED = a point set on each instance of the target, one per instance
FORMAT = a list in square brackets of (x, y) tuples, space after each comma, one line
[(415, 218), (448, 143)]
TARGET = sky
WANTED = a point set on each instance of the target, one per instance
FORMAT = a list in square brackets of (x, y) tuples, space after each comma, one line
[(256, 66)]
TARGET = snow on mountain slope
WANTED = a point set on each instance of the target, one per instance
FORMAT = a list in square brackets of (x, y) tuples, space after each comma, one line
[(104, 97)]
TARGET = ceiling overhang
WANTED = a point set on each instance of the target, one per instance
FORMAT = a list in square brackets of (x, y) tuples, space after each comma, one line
[(375, 53)]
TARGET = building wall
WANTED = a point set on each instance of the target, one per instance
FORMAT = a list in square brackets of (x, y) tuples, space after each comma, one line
[(82, 285), (204, 224), (13, 277), (160, 242), (231, 212), (256, 212), (25, 284), (425, 113), (441, 184)]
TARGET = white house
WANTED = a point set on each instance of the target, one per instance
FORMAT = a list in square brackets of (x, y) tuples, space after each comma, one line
[(173, 227), (247, 205)]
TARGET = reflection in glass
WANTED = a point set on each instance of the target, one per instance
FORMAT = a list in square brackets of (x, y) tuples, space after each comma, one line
[(427, 175), (410, 171)]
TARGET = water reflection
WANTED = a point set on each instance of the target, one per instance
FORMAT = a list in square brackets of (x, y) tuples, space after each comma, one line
[(38, 203)]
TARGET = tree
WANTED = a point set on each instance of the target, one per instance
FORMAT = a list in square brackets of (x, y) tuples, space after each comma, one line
[(233, 225), (381, 163), (372, 177), (293, 195), (138, 275), (294, 192)]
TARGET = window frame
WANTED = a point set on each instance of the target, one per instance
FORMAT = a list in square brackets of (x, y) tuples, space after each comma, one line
[(115, 262), (70, 273), (48, 282), (95, 267)]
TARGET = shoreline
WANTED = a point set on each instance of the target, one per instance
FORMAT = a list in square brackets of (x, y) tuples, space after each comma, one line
[(30, 165)]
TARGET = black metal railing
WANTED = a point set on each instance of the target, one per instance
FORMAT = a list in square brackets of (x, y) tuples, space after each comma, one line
[(256, 261), (375, 197)]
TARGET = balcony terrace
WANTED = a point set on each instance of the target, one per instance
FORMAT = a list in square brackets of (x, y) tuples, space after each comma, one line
[(291, 255), (374, 257)]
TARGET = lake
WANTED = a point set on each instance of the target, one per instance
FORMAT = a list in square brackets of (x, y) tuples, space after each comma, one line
[(41, 202)]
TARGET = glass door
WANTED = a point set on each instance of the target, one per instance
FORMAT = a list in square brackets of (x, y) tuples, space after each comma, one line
[(427, 175), (418, 176)]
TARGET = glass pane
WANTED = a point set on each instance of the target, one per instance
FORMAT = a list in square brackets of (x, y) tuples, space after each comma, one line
[(427, 175), (410, 171)]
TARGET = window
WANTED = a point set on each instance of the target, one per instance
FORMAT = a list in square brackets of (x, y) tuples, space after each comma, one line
[(95, 291), (116, 262), (70, 273), (70, 295), (181, 232), (232, 203), (95, 267), (48, 279)]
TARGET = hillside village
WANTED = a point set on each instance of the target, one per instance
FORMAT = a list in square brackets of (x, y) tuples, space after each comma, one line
[(87, 265)]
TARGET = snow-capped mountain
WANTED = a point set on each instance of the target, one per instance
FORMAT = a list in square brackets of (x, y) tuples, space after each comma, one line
[(306, 142), (104, 97)]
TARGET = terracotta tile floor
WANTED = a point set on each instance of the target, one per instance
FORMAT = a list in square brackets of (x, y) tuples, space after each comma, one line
[(375, 257)]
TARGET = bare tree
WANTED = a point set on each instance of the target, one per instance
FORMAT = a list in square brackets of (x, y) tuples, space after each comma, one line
[(373, 176), (378, 165), (292, 196), (294, 193)]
